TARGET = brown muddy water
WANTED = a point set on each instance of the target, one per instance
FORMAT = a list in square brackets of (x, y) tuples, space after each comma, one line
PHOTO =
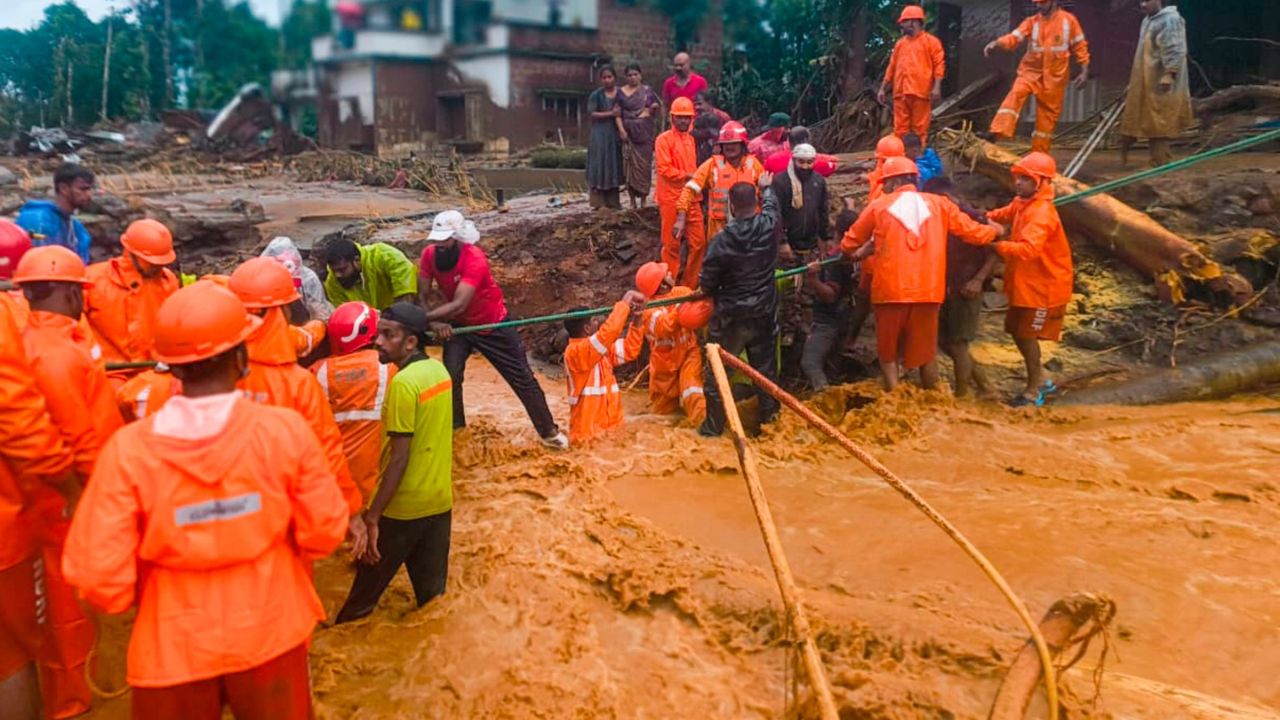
[(628, 579)]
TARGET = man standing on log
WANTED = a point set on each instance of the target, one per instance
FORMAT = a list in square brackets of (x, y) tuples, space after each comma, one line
[(1158, 106), (915, 75), (1054, 36)]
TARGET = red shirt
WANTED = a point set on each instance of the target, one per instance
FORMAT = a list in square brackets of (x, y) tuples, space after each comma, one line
[(487, 305), (671, 89), (824, 165)]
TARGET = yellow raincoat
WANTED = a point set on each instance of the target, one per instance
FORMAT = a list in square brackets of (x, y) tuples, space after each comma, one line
[(1162, 51)]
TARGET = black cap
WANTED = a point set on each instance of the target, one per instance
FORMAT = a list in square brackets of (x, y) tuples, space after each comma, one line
[(409, 315)]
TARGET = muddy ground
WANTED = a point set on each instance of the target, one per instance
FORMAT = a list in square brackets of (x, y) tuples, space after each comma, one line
[(628, 579)]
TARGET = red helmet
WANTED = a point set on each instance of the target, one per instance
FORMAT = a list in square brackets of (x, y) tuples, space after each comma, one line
[(14, 243), (890, 146), (732, 132), (352, 327), (1038, 165), (896, 166)]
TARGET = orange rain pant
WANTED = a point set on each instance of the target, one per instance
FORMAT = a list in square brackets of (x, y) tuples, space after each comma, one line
[(69, 635), (912, 114), (681, 386), (1048, 108), (695, 236)]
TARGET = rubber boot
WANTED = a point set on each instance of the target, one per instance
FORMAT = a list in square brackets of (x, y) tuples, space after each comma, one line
[(1160, 154)]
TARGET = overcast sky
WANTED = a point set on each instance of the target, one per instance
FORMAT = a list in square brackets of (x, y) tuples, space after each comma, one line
[(23, 14)]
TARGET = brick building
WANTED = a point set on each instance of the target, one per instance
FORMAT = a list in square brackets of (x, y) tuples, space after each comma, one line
[(493, 75)]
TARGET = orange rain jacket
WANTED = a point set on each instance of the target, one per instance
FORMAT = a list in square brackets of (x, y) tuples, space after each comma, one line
[(675, 156), (275, 378), (31, 448), (1052, 41), (211, 538), (121, 308), (916, 63), (1038, 271), (675, 362), (595, 403), (356, 385), (715, 177), (145, 393), (74, 383), (306, 336), (910, 231)]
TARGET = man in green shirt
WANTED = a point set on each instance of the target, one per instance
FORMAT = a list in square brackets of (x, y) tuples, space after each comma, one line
[(377, 274), (410, 516)]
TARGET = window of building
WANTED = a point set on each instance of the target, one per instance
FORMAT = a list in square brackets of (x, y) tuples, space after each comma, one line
[(564, 107)]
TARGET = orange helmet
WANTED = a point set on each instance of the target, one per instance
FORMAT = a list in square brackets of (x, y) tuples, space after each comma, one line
[(695, 315), (911, 12), (732, 132), (896, 166), (263, 283), (352, 326), (682, 106), (14, 243), (1038, 165), (50, 263), (200, 321), (650, 276), (890, 146), (150, 240)]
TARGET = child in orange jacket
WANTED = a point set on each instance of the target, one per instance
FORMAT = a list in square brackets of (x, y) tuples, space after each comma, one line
[(595, 403)]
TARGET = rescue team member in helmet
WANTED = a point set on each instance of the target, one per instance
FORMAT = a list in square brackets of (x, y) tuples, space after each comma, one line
[(468, 296), (32, 456), (739, 277), (732, 165), (915, 72), (1038, 272), (411, 515), (1054, 37), (207, 516), (595, 403), (67, 367), (356, 382), (675, 360), (274, 376), (889, 146), (907, 230), (676, 160), (126, 293)]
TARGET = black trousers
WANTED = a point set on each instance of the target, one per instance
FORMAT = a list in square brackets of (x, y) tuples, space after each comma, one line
[(505, 351), (758, 335), (421, 546)]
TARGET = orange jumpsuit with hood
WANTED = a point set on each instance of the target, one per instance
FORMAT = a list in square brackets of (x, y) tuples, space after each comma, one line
[(675, 158), (121, 308), (1044, 72), (595, 402), (675, 360), (916, 63), (356, 386), (32, 455), (1038, 271), (714, 177)]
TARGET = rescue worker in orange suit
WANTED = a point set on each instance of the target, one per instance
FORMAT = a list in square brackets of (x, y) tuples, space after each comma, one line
[(914, 74), (1053, 37), (675, 360), (595, 403), (33, 456), (275, 378), (127, 291), (907, 230), (355, 381), (207, 516), (676, 160), (1038, 273), (732, 165), (67, 367), (889, 146)]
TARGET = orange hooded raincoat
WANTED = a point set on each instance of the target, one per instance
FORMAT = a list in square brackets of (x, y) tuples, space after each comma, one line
[(916, 63), (910, 231), (121, 308), (211, 538), (1044, 72), (675, 363), (356, 385), (595, 403), (676, 159), (1037, 271)]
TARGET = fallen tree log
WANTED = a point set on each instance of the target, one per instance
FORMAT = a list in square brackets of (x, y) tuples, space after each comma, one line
[(1227, 97), (1070, 621), (1168, 259), (1215, 376)]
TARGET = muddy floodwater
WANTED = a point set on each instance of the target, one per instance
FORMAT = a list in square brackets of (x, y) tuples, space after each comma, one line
[(629, 580)]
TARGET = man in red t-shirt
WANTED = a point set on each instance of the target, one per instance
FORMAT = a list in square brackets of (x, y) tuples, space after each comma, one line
[(683, 82), (777, 163), (472, 297)]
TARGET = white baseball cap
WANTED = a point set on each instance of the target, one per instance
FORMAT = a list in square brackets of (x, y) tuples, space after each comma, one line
[(450, 223)]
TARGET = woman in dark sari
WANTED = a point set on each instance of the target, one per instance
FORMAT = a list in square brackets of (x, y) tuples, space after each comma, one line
[(641, 109), (604, 151)]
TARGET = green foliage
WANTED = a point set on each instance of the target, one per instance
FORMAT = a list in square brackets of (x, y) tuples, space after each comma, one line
[(554, 156), (685, 16)]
